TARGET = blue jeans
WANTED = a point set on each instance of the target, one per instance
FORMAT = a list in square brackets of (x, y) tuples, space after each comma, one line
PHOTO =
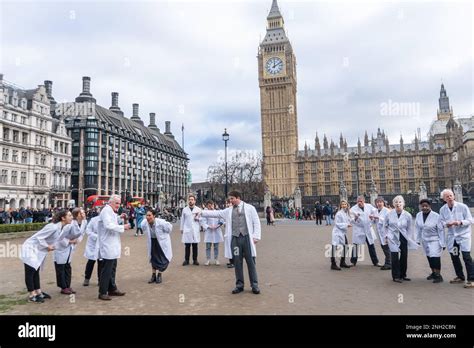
[(208, 250), (28, 220), (328, 220)]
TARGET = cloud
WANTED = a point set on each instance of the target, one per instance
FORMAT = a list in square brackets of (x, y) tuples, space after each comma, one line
[(194, 63)]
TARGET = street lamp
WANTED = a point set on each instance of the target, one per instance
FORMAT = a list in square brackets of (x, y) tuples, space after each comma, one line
[(357, 174), (225, 137)]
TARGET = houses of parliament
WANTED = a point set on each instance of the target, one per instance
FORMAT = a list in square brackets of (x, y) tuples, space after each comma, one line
[(444, 159)]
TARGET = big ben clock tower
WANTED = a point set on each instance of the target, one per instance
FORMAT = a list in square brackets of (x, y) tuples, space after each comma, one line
[(277, 81)]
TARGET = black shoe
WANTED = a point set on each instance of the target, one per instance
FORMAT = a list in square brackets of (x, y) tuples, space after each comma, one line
[(344, 265), (230, 265), (35, 299), (334, 267), (195, 263), (431, 276), (377, 265), (152, 279), (158, 279), (406, 279), (385, 267), (105, 297), (237, 290), (396, 280), (437, 278), (256, 290), (185, 263), (44, 296)]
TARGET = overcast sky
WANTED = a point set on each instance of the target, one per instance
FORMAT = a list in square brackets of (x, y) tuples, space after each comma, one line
[(194, 62)]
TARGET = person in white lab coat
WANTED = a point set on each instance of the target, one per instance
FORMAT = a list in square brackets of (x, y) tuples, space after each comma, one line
[(91, 252), (230, 264), (70, 236), (400, 237), (430, 234), (35, 249), (362, 231), (457, 218), (342, 223), (212, 234), (158, 244), (110, 248), (190, 229), (379, 218), (243, 232)]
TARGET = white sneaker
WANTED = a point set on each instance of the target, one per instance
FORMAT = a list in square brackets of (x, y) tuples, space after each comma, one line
[(217, 263), (207, 263)]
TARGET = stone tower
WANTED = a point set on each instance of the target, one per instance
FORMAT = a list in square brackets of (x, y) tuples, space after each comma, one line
[(445, 112), (277, 82)]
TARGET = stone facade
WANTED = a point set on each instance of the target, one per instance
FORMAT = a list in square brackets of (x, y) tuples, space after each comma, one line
[(27, 137)]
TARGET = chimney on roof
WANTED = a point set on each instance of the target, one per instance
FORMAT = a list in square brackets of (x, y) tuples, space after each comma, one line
[(168, 129), (152, 121), (115, 108), (86, 95), (49, 87), (49, 92), (135, 116)]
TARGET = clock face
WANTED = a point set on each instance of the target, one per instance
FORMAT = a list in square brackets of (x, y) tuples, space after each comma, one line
[(274, 65)]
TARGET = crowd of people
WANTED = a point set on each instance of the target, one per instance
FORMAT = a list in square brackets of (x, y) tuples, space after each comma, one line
[(25, 215), (397, 233), (395, 229), (320, 212), (104, 227)]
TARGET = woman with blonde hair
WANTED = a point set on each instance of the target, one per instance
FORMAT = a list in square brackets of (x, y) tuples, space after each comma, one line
[(342, 222), (400, 237)]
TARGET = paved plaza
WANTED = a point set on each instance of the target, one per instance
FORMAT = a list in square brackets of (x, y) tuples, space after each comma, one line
[(294, 276)]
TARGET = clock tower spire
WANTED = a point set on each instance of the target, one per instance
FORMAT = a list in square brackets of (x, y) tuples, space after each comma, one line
[(277, 82)]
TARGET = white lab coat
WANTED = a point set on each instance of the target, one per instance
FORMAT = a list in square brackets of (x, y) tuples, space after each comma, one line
[(91, 251), (395, 225), (341, 225), (253, 226), (64, 251), (430, 234), (460, 234), (379, 224), (161, 229), (35, 249), (109, 231), (212, 235), (189, 226), (362, 226)]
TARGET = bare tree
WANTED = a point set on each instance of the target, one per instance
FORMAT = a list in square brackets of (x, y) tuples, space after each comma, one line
[(244, 173)]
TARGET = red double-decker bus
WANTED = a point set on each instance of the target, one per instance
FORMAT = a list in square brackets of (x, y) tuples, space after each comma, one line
[(100, 200)]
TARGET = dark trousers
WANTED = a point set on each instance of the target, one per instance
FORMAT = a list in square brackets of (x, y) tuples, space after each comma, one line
[(187, 251), (435, 262), (400, 260), (333, 252), (466, 256), (63, 275), (372, 253), (386, 252), (107, 276), (319, 219), (241, 249), (32, 278), (90, 268)]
